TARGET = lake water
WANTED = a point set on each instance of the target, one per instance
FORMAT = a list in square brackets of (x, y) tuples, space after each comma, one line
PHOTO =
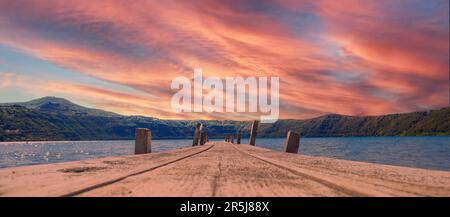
[(419, 152)]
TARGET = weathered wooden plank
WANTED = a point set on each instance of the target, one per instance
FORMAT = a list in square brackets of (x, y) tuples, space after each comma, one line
[(194, 171)]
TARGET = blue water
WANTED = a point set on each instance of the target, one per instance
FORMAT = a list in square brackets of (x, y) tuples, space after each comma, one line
[(31, 153), (419, 152)]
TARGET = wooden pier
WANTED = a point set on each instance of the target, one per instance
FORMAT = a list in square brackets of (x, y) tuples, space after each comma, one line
[(221, 169)]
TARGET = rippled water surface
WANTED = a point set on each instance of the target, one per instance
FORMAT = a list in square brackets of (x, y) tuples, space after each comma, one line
[(420, 152), (29, 153)]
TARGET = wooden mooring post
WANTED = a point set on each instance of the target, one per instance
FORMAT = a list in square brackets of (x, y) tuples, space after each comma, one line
[(253, 133), (202, 137), (292, 142), (143, 141), (197, 135), (238, 138)]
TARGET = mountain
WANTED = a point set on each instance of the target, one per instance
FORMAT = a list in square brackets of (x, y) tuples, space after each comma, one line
[(52, 118), (433, 122), (57, 105)]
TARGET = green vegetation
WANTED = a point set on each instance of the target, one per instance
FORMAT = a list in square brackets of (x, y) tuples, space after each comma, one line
[(57, 105), (53, 118), (430, 123)]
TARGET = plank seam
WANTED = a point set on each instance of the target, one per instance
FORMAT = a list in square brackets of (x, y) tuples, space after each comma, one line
[(109, 182), (345, 190)]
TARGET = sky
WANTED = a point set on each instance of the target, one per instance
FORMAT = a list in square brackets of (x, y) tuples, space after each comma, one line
[(349, 57)]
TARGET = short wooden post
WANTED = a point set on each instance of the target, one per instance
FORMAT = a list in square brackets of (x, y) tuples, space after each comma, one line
[(238, 138), (202, 137), (253, 133), (197, 132), (143, 141), (292, 142)]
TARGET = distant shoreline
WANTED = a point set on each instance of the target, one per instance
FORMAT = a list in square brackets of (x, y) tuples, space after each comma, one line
[(53, 119), (218, 138)]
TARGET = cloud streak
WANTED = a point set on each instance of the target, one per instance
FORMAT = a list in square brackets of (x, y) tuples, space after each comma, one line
[(345, 57)]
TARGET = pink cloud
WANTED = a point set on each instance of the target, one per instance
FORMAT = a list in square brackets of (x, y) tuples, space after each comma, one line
[(363, 60)]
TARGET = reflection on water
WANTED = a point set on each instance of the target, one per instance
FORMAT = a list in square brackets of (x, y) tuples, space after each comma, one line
[(29, 153), (420, 152)]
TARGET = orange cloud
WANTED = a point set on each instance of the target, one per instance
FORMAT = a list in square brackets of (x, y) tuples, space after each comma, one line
[(344, 57)]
